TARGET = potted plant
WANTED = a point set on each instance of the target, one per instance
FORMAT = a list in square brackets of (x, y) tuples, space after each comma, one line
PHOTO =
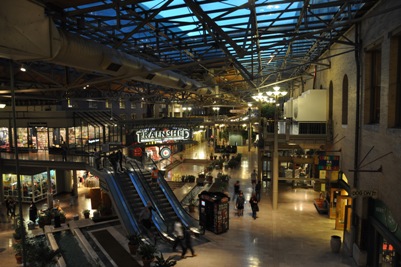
[(161, 262), (147, 252), (134, 241), (18, 252), (20, 230), (38, 252), (191, 202), (86, 213)]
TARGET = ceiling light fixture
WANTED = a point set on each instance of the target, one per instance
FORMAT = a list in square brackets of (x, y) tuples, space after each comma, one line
[(2, 105), (22, 68)]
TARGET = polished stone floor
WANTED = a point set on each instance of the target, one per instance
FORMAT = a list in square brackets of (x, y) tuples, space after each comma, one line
[(293, 235)]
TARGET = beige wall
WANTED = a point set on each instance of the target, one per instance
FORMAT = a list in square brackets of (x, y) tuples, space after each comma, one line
[(382, 139)]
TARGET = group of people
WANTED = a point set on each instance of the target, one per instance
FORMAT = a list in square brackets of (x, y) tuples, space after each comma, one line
[(239, 199), (181, 234)]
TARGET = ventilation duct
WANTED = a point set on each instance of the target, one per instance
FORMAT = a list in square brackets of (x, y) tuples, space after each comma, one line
[(34, 36)]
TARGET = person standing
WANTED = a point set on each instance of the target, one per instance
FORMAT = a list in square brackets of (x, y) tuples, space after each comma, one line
[(72, 195), (64, 151), (33, 212), (240, 204), (254, 177), (236, 190), (178, 235), (120, 157), (155, 175), (96, 157), (188, 243), (253, 201)]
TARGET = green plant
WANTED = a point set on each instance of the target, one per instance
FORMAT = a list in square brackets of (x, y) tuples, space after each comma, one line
[(147, 251), (20, 228), (161, 262), (86, 212), (38, 253)]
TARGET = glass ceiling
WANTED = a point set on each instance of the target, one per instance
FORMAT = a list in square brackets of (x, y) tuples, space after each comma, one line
[(240, 46)]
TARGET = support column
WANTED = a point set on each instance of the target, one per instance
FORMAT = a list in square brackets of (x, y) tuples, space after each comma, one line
[(49, 190), (275, 161)]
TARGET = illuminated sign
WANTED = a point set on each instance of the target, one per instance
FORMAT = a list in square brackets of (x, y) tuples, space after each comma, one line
[(329, 163), (153, 135)]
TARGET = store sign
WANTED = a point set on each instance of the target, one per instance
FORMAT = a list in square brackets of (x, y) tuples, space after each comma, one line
[(363, 193), (329, 163), (153, 135)]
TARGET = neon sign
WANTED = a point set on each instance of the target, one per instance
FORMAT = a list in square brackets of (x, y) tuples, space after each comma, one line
[(153, 135)]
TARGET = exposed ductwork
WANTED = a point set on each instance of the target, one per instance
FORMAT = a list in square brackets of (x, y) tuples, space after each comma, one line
[(27, 33)]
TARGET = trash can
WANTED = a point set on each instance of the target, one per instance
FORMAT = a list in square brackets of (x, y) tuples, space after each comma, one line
[(214, 211), (335, 243)]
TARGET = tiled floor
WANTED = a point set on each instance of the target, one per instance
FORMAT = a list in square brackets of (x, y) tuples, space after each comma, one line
[(293, 235)]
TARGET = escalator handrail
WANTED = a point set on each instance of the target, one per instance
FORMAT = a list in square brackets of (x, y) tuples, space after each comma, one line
[(146, 187), (127, 214), (157, 219), (189, 221), (184, 216)]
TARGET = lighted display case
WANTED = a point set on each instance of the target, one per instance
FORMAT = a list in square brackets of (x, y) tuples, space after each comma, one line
[(33, 187), (214, 211)]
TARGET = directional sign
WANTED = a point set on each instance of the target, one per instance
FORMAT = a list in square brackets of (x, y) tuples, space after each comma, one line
[(363, 193)]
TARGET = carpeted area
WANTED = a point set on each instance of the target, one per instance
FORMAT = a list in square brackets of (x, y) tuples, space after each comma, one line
[(114, 249)]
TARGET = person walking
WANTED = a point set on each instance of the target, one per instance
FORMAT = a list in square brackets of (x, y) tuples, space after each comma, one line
[(240, 204), (13, 205), (253, 201), (236, 190), (8, 206), (254, 177), (178, 235), (188, 243)]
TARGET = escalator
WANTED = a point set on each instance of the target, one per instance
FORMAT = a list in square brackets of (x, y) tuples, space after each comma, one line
[(165, 201), (129, 198)]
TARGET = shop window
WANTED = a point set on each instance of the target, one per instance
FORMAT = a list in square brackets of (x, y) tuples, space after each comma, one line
[(108, 103), (122, 103), (344, 117), (394, 96), (93, 104), (388, 255), (33, 188), (372, 85), (4, 139)]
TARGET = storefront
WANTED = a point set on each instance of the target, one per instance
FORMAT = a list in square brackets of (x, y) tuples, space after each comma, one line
[(34, 184), (384, 236), (89, 130)]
